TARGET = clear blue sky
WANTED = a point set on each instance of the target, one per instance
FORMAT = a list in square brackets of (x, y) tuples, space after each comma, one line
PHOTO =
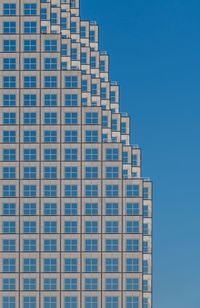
[(154, 48)]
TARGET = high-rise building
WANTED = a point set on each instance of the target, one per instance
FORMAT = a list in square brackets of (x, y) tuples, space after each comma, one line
[(75, 209)]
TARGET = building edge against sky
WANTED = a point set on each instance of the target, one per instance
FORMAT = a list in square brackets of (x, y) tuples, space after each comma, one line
[(76, 213)]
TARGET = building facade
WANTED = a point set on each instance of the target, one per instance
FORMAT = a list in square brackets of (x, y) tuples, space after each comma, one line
[(75, 210)]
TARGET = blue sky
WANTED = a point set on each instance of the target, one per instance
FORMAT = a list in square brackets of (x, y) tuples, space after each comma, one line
[(154, 48)]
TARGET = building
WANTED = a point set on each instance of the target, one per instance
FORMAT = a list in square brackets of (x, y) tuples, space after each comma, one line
[(75, 209)]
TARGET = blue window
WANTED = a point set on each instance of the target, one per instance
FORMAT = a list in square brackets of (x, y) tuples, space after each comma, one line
[(30, 154), (30, 9), (91, 265), (9, 302), (91, 191), (53, 18), (30, 136), (70, 245), (71, 209), (63, 23), (9, 9), (64, 50), (50, 136), (112, 245), (50, 100), (30, 191), (113, 96), (112, 154), (29, 100), (105, 121), (50, 45), (112, 284), (30, 64), (30, 46), (9, 172), (71, 302), (9, 64), (125, 157), (50, 245), (9, 190), (93, 62), (29, 302), (30, 27), (102, 66), (132, 245), (43, 13), (50, 172), (9, 100), (50, 302), (9, 284), (112, 227), (9, 227), (71, 118), (9, 27), (30, 82), (9, 265), (71, 227), (115, 125), (73, 27), (71, 191), (84, 85), (50, 82), (112, 209), (92, 36), (112, 190), (103, 93), (29, 245), (132, 227), (71, 172), (132, 190), (71, 100), (91, 227), (50, 154), (132, 209), (145, 267), (9, 82), (146, 193), (71, 136), (132, 284), (9, 209), (50, 209), (50, 284), (91, 302), (50, 191), (112, 172), (29, 118), (132, 265), (71, 82), (91, 173), (50, 64), (112, 302), (94, 89), (50, 265), (91, 209), (50, 118), (29, 284), (91, 245), (71, 265), (91, 284), (91, 154), (132, 302), (30, 209), (71, 154), (91, 136), (9, 46), (29, 227), (83, 58), (9, 118), (91, 118), (112, 265), (50, 227), (83, 32), (146, 211), (9, 245), (74, 54), (70, 284)]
